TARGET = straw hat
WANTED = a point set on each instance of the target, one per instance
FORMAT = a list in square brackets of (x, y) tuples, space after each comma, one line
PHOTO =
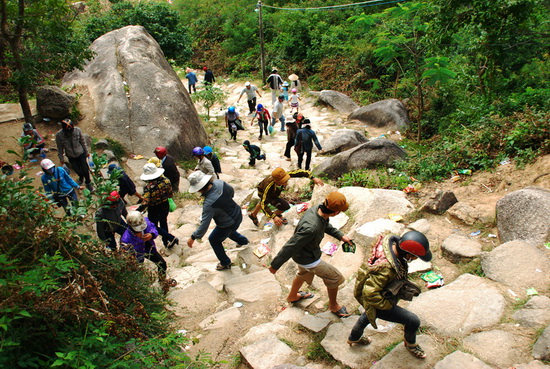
[(293, 77)]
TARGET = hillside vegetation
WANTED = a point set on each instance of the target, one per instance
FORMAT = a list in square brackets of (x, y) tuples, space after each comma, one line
[(474, 75)]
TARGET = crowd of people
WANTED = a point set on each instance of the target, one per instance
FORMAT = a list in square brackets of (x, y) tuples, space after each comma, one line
[(381, 281)]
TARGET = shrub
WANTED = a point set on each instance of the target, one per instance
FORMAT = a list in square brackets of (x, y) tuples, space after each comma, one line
[(66, 302)]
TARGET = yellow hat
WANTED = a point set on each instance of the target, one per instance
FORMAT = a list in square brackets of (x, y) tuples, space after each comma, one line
[(280, 176), (155, 161), (336, 201)]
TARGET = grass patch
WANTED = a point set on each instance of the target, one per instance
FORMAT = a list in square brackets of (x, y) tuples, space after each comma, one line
[(289, 343), (116, 147), (472, 267), (391, 346), (187, 165), (236, 360)]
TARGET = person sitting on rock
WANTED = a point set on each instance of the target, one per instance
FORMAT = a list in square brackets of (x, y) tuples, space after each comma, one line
[(34, 143), (220, 206), (303, 248), (204, 164), (269, 191), (254, 151), (388, 263)]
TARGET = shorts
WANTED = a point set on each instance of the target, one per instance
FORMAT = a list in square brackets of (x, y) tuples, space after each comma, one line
[(329, 274)]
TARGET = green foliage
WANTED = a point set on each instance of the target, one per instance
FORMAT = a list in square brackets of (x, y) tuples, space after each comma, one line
[(208, 96), (38, 44), (66, 302), (158, 18), (379, 178)]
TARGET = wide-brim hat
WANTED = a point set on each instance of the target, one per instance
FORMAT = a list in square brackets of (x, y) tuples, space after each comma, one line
[(150, 171), (293, 77), (198, 180), (280, 176)]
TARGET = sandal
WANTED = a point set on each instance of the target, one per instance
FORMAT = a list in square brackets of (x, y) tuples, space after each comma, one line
[(415, 350), (342, 313), (361, 341), (303, 296), (171, 282), (254, 219), (223, 267)]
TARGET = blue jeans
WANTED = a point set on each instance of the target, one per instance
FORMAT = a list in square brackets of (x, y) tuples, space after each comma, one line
[(281, 119), (397, 315), (218, 235)]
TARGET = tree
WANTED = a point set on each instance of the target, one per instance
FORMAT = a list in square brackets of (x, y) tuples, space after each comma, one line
[(41, 44), (402, 42), (159, 19), (209, 96)]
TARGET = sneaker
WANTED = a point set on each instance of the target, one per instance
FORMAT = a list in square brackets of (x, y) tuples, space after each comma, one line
[(223, 267), (288, 159), (90, 187)]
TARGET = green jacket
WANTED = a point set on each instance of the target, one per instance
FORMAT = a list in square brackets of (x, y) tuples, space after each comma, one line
[(374, 275), (303, 246)]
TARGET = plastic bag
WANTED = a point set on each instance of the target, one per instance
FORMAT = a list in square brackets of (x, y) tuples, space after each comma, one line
[(172, 204)]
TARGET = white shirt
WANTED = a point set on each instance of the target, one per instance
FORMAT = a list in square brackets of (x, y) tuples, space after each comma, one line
[(278, 109)]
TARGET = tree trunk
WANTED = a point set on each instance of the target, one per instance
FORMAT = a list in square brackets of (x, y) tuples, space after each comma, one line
[(24, 102)]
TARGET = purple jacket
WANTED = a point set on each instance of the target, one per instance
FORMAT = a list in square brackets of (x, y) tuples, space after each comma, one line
[(140, 249)]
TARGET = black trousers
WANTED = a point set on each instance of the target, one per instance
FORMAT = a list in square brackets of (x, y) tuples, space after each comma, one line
[(289, 146), (397, 315), (80, 166), (251, 105), (301, 158), (158, 215), (157, 258)]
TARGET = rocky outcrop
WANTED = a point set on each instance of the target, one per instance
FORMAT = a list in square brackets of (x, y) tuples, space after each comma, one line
[(390, 114), (525, 215), (53, 102), (342, 140), (519, 265), (139, 100), (337, 100), (368, 155)]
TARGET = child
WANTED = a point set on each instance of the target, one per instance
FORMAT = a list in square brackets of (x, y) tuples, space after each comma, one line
[(284, 88), (263, 119), (293, 101), (255, 153)]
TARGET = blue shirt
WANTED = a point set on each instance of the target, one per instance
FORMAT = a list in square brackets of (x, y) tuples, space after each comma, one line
[(192, 77), (59, 183)]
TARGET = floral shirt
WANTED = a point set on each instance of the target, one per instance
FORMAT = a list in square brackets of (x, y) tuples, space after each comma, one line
[(157, 191)]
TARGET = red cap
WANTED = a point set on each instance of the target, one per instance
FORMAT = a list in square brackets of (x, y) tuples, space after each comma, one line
[(160, 152), (204, 69), (113, 196)]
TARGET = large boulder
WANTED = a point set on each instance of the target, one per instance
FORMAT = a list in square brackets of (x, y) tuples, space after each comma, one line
[(368, 155), (524, 215), (519, 265), (53, 102), (342, 140), (390, 114), (139, 99), (337, 100)]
